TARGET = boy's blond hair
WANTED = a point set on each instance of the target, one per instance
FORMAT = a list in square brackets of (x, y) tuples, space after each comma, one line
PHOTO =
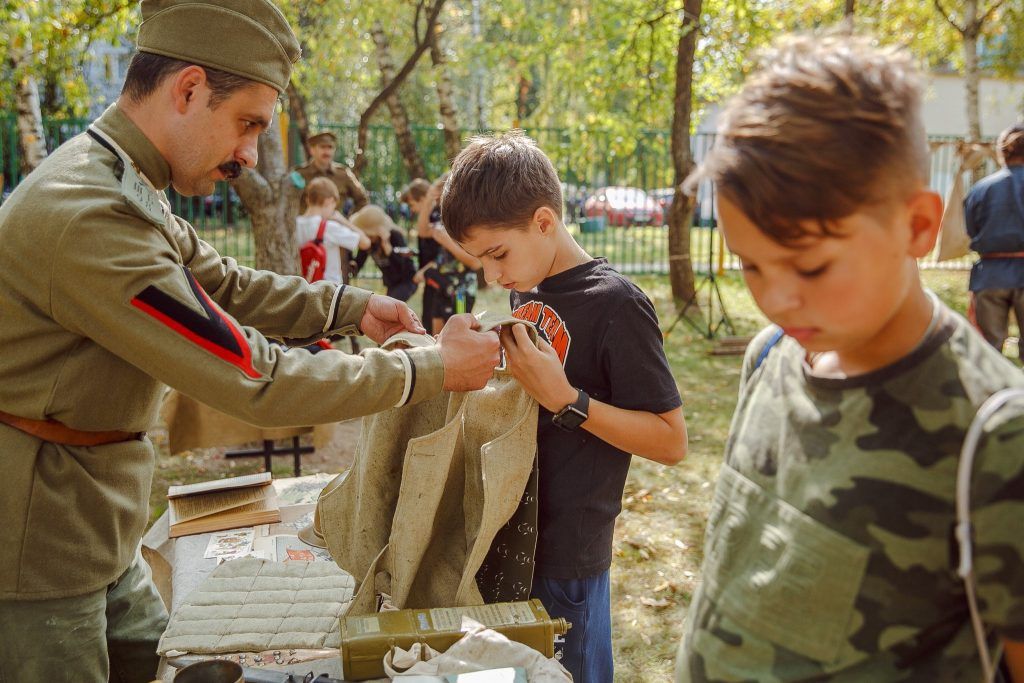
[(373, 221), (319, 190), (827, 126), (498, 182)]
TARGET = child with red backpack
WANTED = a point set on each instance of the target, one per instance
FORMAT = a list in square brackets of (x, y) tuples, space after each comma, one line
[(326, 244)]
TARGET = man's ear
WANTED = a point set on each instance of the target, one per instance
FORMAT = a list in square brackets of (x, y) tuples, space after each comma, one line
[(925, 209), (186, 86)]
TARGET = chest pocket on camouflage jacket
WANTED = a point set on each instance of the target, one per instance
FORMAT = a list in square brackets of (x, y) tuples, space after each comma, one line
[(431, 494), (778, 574)]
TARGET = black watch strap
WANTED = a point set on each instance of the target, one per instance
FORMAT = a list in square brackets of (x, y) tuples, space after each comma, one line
[(573, 415)]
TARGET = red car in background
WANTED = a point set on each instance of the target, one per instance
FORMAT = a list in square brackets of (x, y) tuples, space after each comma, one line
[(623, 206)]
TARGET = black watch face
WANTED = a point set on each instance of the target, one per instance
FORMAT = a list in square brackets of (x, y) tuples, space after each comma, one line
[(570, 419)]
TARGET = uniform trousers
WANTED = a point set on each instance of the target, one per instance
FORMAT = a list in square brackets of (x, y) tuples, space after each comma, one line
[(992, 312), (108, 635)]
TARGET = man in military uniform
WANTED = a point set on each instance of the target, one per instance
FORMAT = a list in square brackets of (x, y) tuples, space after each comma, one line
[(321, 164), (105, 297), (322, 147)]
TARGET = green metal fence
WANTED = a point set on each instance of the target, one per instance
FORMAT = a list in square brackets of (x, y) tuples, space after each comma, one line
[(627, 225)]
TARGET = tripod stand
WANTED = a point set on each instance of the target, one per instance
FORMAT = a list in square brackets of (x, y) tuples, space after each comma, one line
[(707, 325)]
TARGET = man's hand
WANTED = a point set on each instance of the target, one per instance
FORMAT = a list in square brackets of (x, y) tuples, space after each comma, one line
[(538, 368), (385, 317), (469, 356)]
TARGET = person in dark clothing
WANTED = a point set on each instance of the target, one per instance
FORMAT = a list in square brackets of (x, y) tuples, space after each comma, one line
[(414, 196), (994, 214), (389, 251), (447, 271)]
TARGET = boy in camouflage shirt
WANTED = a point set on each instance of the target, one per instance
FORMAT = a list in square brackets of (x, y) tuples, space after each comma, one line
[(829, 551)]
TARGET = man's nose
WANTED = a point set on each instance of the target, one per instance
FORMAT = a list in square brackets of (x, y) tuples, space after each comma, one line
[(248, 154)]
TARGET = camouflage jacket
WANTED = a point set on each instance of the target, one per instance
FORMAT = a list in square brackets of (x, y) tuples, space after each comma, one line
[(829, 552)]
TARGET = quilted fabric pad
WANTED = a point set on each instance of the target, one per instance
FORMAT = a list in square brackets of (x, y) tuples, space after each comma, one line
[(250, 605)]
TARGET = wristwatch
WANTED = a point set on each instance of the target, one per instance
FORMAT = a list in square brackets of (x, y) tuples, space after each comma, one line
[(574, 414)]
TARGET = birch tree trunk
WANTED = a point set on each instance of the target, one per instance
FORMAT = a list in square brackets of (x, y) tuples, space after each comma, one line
[(445, 99), (272, 201), (972, 72), (422, 43), (399, 117), (31, 140), (680, 214), (297, 115)]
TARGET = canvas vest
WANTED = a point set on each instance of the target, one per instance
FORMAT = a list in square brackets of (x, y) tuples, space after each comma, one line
[(440, 506)]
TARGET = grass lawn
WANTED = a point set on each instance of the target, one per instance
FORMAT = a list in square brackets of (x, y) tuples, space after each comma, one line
[(657, 551)]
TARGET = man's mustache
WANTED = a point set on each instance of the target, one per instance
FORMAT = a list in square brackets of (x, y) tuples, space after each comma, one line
[(231, 169)]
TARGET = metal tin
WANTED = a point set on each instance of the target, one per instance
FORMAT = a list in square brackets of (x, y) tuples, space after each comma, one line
[(366, 639)]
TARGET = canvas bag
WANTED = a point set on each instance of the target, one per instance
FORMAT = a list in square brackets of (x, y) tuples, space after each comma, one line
[(313, 255), (953, 239), (432, 488)]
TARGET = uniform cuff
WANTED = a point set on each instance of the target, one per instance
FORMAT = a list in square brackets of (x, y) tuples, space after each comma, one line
[(425, 374), (348, 306)]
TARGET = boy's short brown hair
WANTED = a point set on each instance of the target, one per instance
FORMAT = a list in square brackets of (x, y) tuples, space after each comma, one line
[(1010, 145), (828, 125), (498, 182), (415, 190), (319, 190)]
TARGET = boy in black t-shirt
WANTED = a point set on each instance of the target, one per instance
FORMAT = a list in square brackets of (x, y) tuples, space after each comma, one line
[(599, 373)]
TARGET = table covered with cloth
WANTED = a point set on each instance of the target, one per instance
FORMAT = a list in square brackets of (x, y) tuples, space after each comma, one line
[(179, 568)]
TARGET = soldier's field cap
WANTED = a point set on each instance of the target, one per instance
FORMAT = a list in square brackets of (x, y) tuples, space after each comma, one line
[(248, 38), (323, 138)]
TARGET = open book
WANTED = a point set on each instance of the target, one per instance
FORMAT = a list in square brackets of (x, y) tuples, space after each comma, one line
[(222, 504)]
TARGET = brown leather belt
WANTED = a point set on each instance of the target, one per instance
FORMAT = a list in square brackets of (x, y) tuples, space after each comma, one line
[(1003, 254), (55, 432)]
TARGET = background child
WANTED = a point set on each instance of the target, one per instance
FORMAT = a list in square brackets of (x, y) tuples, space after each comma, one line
[(426, 214), (827, 552), (450, 273), (600, 376), (389, 251), (321, 198)]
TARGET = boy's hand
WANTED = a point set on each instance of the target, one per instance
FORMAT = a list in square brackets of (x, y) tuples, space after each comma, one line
[(385, 317), (537, 368)]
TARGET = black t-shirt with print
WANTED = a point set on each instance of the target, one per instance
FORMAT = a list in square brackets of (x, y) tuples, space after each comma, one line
[(606, 331)]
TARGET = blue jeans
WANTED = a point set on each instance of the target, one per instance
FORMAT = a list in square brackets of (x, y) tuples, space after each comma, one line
[(587, 650)]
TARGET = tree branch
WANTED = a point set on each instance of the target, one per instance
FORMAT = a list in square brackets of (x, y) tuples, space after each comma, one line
[(364, 120), (989, 12), (948, 17)]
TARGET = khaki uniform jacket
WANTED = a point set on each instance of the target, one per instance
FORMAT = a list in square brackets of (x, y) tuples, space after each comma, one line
[(343, 177), (436, 510), (105, 297)]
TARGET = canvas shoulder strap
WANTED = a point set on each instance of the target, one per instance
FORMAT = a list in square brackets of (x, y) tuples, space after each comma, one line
[(772, 341)]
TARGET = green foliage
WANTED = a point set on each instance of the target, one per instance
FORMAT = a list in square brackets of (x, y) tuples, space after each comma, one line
[(537, 63), (48, 40)]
